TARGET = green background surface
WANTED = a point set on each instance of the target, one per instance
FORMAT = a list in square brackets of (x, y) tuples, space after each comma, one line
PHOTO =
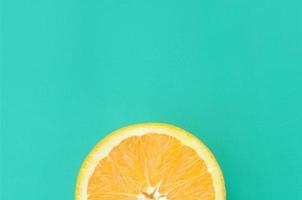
[(229, 71)]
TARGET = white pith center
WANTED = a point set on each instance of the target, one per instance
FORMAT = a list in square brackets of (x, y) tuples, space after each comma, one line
[(151, 194)]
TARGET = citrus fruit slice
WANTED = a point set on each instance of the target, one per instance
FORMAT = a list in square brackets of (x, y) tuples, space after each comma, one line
[(150, 161)]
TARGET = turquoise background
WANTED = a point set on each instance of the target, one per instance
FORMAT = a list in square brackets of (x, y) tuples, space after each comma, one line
[(229, 71)]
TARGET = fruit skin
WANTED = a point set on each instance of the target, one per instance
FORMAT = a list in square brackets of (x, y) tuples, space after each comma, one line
[(103, 148)]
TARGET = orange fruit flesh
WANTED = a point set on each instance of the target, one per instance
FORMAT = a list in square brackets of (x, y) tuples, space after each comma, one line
[(151, 167)]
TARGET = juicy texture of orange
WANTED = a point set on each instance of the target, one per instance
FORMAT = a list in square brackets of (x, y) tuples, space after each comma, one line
[(151, 160)]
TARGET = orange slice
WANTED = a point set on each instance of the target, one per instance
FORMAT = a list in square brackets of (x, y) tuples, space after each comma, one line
[(150, 161)]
